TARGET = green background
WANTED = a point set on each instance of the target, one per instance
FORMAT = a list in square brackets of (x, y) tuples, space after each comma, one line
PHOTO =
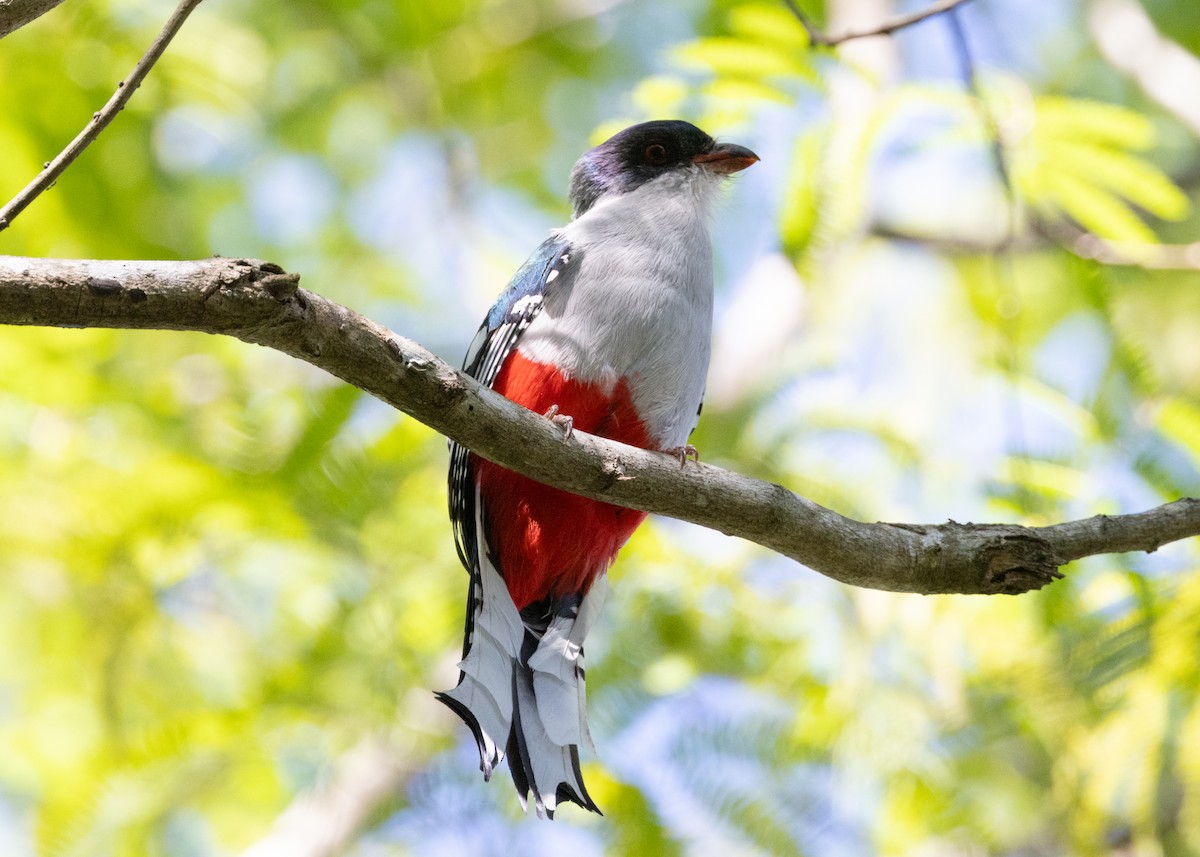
[(225, 576)]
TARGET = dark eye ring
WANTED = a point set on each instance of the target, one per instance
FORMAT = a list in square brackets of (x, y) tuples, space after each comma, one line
[(656, 154)]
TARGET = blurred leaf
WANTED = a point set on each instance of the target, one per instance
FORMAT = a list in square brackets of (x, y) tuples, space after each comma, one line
[(1078, 159), (802, 198), (764, 59), (1085, 121), (738, 57), (768, 23), (1094, 208), (1176, 19), (1131, 178), (1179, 420)]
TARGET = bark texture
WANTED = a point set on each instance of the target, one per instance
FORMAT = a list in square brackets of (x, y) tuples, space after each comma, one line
[(259, 303), (15, 14)]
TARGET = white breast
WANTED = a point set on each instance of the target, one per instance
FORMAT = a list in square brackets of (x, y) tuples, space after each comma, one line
[(640, 305)]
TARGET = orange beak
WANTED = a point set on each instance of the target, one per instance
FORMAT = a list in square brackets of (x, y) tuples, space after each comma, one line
[(727, 158)]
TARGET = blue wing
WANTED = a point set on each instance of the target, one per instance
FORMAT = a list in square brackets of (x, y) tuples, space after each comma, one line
[(547, 270)]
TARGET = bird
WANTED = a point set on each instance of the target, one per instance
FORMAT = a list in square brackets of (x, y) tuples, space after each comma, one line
[(605, 329)]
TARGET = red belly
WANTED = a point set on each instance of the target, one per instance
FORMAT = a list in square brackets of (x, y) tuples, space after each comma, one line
[(549, 543)]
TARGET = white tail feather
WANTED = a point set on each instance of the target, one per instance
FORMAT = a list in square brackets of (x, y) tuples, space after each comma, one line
[(484, 696), (534, 709), (558, 673), (547, 763)]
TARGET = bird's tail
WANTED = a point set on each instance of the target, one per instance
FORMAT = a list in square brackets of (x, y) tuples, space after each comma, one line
[(523, 684)]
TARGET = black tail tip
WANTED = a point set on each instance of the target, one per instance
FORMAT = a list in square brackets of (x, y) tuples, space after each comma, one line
[(567, 794), (485, 761)]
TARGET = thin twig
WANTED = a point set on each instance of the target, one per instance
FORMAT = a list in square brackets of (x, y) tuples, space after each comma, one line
[(101, 118), (1043, 232), (1150, 257), (1002, 267), (970, 77), (817, 37)]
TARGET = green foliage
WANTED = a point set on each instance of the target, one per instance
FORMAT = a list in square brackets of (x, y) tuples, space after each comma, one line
[(203, 582), (1078, 159), (1177, 20), (764, 59), (222, 569), (765, 44)]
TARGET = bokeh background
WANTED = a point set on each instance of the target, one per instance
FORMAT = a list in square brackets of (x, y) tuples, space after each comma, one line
[(227, 582)]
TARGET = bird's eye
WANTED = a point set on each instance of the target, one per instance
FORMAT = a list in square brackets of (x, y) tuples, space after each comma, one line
[(655, 154)]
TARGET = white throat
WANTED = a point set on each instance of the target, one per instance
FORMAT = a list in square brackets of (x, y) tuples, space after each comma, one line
[(686, 194), (640, 307)]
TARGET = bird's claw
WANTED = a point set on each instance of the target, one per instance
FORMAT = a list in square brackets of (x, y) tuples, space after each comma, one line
[(561, 420), (683, 453)]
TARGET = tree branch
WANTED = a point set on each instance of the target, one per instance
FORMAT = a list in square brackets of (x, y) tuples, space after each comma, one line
[(1044, 233), (1167, 72), (320, 823), (15, 14), (1151, 257), (100, 119), (259, 303), (817, 37)]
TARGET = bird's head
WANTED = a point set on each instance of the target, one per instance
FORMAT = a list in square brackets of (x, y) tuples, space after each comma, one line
[(642, 153)]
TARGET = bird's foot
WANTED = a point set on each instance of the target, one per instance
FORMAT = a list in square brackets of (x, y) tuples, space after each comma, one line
[(683, 453), (561, 420)]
